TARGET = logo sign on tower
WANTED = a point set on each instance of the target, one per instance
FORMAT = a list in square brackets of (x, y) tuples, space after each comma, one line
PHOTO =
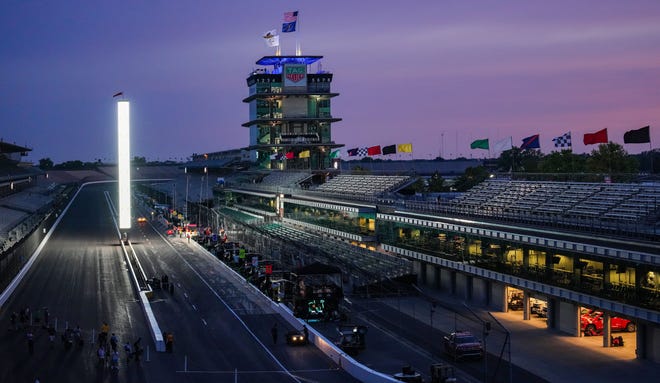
[(294, 75)]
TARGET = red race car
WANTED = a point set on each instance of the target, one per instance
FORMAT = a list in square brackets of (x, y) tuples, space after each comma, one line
[(591, 323)]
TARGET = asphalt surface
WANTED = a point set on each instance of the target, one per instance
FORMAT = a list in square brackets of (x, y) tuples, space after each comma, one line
[(81, 276)]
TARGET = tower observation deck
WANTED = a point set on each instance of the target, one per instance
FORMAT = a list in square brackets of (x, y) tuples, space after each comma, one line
[(290, 115)]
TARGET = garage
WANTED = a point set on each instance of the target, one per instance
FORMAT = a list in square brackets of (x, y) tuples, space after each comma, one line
[(623, 330)]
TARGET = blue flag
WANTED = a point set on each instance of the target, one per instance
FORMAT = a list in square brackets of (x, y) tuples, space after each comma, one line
[(531, 142), (289, 24)]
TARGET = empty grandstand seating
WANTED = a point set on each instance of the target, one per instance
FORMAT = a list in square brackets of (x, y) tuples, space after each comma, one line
[(287, 179), (366, 185), (603, 201), (365, 265)]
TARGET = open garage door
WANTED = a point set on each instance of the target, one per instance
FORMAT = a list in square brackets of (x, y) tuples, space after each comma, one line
[(622, 340)]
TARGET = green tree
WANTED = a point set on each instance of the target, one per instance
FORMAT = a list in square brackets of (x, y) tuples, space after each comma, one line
[(518, 160), (562, 162), (419, 186), (436, 183), (137, 160), (470, 178), (611, 158), (45, 163)]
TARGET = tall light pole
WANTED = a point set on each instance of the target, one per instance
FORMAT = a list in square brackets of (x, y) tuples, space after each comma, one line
[(185, 212), (123, 163), (206, 196)]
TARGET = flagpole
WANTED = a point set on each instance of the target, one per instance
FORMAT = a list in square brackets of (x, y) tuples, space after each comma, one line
[(298, 50)]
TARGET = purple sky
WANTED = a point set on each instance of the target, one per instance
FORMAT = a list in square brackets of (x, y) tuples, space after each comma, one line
[(439, 74)]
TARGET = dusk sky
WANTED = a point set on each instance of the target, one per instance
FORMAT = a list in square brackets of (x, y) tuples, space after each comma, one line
[(438, 74)]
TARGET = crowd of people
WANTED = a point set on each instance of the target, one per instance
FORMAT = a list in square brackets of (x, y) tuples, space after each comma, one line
[(107, 344)]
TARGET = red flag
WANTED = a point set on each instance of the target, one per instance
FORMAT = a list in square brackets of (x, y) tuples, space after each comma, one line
[(372, 151), (289, 155), (600, 137)]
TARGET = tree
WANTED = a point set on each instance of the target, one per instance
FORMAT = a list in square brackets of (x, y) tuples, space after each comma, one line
[(518, 160), (470, 178), (611, 158), (139, 161), (45, 163), (562, 162), (436, 183)]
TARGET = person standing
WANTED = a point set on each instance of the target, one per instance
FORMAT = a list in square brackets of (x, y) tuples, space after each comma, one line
[(30, 341), (113, 342), (51, 336), (273, 332), (14, 316), (46, 317), (114, 361), (129, 352), (103, 335), (306, 334)]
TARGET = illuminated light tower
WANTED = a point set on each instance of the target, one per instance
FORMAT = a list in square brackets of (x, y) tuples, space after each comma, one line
[(123, 163)]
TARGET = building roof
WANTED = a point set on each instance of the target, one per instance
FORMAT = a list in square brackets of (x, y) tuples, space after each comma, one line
[(6, 147), (280, 60)]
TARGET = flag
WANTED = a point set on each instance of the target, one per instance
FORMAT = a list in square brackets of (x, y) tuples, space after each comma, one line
[(531, 142), (600, 137), (404, 148), (503, 144), (373, 150), (271, 38), (335, 154), (290, 19), (638, 136), (390, 149), (274, 156), (479, 144), (362, 152), (303, 154), (352, 152), (117, 94), (563, 141), (289, 155)]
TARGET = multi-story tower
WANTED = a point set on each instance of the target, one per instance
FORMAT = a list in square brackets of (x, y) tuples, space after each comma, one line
[(290, 116)]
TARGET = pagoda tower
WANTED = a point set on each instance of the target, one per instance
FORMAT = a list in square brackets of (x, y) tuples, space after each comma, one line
[(290, 115)]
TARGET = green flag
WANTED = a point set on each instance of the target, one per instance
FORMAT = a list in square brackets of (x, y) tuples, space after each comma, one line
[(335, 154), (479, 144)]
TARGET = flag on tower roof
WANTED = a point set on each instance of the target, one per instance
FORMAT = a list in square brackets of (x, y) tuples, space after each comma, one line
[(289, 24), (271, 38)]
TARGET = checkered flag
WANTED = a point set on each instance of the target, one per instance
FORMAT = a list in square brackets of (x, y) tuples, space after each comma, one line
[(563, 141), (362, 152)]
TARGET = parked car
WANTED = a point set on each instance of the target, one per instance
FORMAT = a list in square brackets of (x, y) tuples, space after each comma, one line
[(591, 323), (463, 344)]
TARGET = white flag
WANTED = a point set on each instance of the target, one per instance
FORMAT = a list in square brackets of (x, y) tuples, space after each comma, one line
[(272, 39), (503, 144)]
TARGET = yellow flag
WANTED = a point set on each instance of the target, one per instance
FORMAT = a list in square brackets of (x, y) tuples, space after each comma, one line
[(304, 154), (404, 148)]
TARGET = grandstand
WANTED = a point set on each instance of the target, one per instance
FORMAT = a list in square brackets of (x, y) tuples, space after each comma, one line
[(362, 185), (366, 267), (598, 205)]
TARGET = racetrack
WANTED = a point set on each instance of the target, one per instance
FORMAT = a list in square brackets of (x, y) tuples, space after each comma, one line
[(222, 330)]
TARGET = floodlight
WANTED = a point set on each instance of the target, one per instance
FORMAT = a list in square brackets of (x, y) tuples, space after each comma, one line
[(123, 161)]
